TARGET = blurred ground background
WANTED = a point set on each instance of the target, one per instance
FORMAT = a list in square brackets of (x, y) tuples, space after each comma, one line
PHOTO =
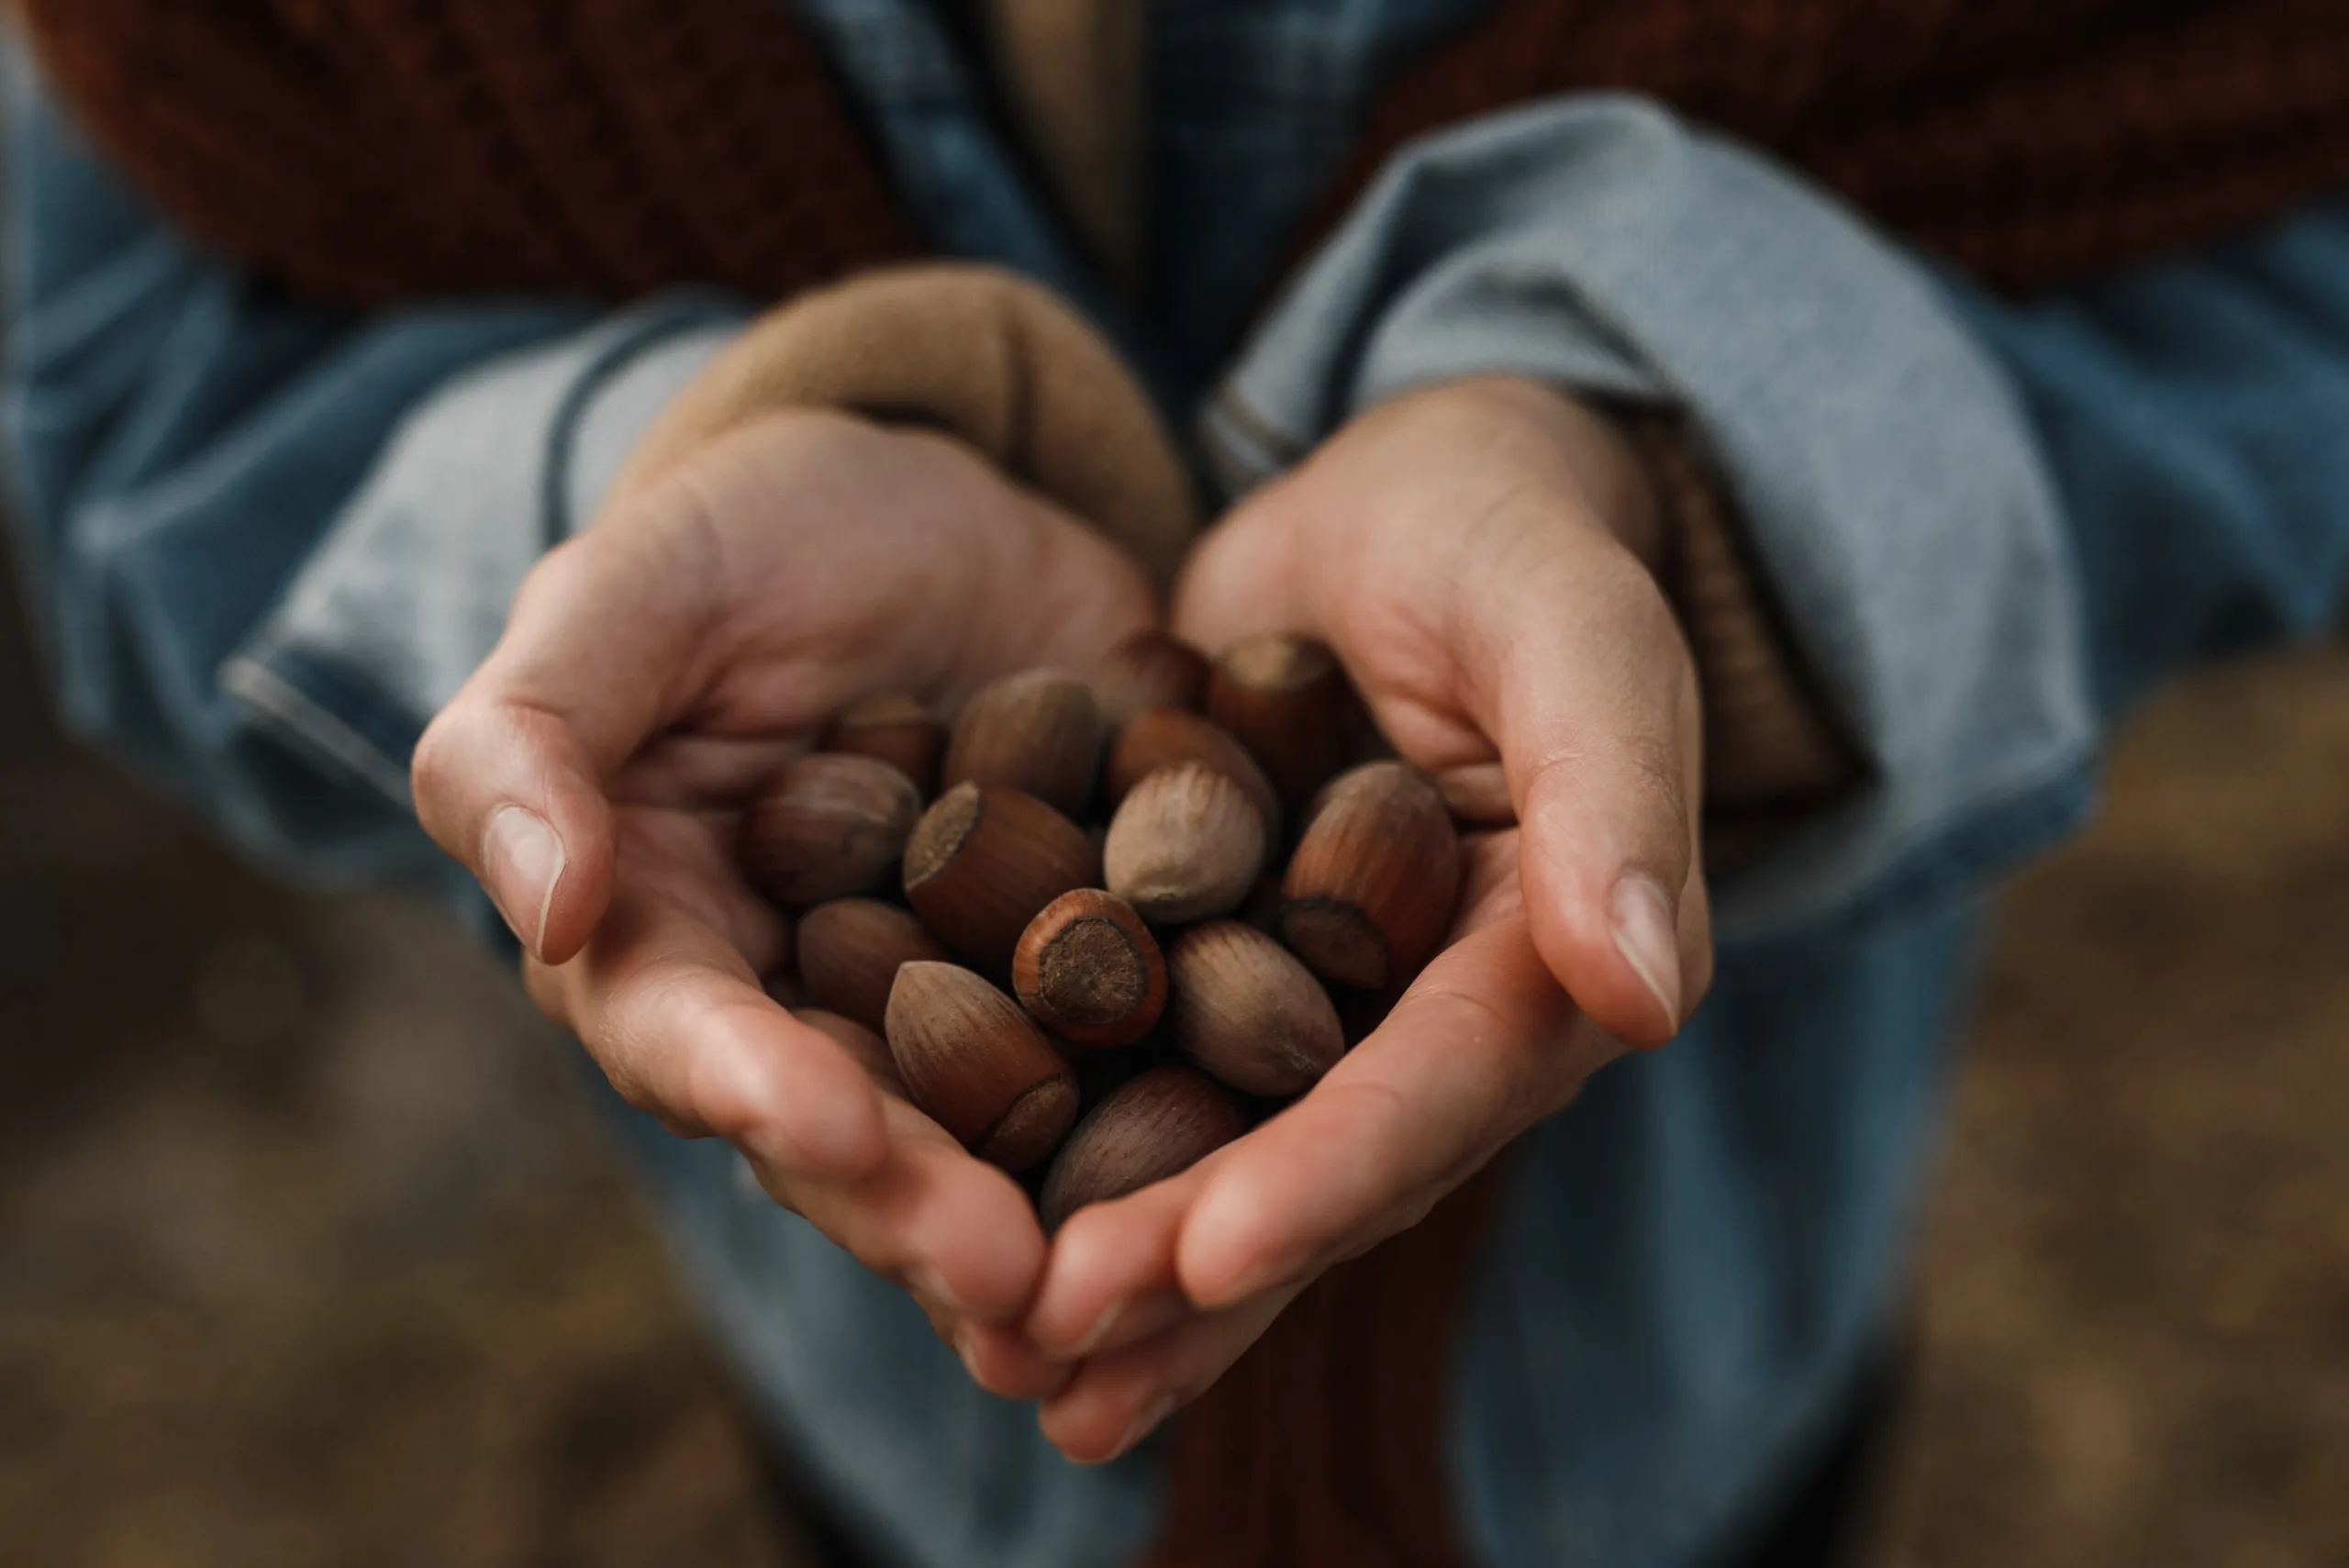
[(310, 1254)]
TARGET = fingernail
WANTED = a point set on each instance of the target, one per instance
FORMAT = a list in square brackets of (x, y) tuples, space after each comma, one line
[(1142, 1426), (1649, 939), (525, 861), (925, 1280), (1089, 1340)]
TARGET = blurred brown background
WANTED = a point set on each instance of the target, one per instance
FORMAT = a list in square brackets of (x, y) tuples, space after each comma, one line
[(310, 1254)]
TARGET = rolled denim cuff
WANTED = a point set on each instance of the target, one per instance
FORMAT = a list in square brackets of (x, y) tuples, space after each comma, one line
[(409, 590)]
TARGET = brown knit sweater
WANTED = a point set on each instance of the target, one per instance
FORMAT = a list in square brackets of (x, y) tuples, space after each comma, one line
[(366, 150)]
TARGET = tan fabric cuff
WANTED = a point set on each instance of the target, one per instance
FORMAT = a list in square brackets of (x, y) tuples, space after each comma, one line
[(982, 355), (1773, 753)]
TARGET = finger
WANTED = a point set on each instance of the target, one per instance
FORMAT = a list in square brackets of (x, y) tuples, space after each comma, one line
[(1118, 1399), (671, 1009), (1569, 664), (1286, 560), (956, 1232), (668, 1003), (1001, 1361), (1482, 1045), (1596, 717), (1244, 576), (510, 777), (1110, 1277)]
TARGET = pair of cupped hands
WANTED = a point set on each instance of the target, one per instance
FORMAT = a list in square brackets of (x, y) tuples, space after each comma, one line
[(1480, 555)]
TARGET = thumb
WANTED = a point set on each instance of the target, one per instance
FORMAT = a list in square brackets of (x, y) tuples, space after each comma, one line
[(1596, 716), (1243, 576), (510, 792), (510, 777)]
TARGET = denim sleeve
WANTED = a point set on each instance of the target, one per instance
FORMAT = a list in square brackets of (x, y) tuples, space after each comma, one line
[(2195, 415), (1890, 485), (202, 472)]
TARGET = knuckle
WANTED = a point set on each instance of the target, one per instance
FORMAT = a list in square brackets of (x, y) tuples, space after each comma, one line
[(727, 1107), (1638, 775), (1654, 783)]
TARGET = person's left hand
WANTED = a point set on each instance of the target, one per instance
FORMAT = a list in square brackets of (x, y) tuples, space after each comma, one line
[(1480, 555)]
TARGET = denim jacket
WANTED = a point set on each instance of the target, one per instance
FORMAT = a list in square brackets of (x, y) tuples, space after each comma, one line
[(265, 541)]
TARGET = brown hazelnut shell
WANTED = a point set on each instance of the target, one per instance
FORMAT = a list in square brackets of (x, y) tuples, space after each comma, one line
[(978, 1066), (895, 728), (1285, 696), (1242, 1007), (1161, 736), (1149, 670), (824, 827), (849, 952), (981, 862), (1159, 1125), (1369, 892), (1186, 843), (1039, 731), (1088, 969)]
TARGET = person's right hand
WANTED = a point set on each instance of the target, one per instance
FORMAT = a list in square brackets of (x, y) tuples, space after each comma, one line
[(654, 668)]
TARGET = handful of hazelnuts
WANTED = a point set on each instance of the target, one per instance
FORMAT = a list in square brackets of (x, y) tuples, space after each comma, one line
[(1138, 912)]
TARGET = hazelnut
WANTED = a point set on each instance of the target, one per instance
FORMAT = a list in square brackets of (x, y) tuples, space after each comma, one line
[(976, 1064), (1089, 971), (1369, 893), (983, 862), (1157, 1126), (1149, 670), (1286, 696), (1185, 843), (1246, 1011), (849, 952), (1161, 736), (893, 729), (1038, 731), (869, 1051), (823, 827)]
